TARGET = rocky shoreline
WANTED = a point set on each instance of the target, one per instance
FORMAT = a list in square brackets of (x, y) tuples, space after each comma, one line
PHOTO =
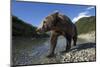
[(78, 54), (84, 51)]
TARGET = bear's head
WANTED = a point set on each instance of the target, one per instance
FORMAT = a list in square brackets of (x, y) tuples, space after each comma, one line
[(48, 23)]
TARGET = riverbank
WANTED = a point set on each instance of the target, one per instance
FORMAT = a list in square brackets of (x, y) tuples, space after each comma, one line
[(30, 52)]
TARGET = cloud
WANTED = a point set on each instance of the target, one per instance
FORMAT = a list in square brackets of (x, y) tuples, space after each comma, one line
[(80, 15), (89, 8)]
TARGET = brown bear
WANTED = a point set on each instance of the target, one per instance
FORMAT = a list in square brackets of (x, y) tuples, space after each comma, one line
[(59, 24)]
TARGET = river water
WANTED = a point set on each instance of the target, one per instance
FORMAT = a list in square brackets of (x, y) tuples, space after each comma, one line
[(29, 51)]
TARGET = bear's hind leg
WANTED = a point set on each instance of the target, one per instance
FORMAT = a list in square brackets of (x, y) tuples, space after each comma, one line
[(74, 40), (68, 44)]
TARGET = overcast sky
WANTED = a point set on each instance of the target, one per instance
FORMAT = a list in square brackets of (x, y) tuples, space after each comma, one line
[(34, 13)]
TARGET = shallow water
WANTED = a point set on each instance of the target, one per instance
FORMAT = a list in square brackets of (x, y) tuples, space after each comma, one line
[(27, 51)]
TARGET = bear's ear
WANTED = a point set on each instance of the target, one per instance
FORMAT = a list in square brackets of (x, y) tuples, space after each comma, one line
[(56, 14)]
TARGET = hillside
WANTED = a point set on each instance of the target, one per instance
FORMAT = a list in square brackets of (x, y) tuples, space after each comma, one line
[(23, 29), (86, 24)]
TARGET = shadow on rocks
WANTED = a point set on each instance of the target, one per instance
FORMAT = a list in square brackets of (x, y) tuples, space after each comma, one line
[(84, 46)]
